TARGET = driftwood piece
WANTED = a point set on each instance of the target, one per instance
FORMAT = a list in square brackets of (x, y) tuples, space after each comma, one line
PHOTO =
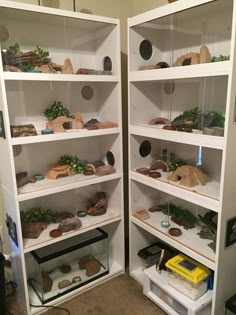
[(23, 130)]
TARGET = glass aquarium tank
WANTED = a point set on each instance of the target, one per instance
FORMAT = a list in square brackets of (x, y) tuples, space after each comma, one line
[(65, 266)]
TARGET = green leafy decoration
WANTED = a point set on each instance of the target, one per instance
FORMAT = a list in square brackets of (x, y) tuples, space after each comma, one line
[(38, 215), (171, 159), (75, 164), (220, 58), (56, 110), (41, 52), (15, 49)]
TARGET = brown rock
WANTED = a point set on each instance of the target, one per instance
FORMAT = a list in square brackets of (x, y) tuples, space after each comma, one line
[(189, 176), (159, 165), (47, 282), (88, 172), (11, 68), (105, 170), (60, 170), (151, 67), (33, 230), (173, 128), (70, 224), (105, 125), (143, 170), (156, 208), (91, 265), (159, 121), (64, 215), (55, 233), (175, 232), (205, 55), (67, 68), (76, 279), (63, 284), (23, 179), (154, 174), (142, 214), (65, 268)]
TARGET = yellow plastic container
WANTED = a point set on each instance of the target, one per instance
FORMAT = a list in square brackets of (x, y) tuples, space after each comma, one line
[(188, 268)]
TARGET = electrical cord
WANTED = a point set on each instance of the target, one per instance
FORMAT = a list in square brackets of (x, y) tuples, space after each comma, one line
[(51, 306)]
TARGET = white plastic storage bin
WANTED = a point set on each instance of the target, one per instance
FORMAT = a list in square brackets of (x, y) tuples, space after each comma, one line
[(173, 302)]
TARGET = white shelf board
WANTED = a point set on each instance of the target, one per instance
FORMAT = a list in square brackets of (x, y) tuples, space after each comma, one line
[(115, 269), (189, 242), (49, 186), (51, 11), (165, 10), (157, 132), (88, 223), (193, 71), (161, 279), (204, 196), (24, 76), (80, 133)]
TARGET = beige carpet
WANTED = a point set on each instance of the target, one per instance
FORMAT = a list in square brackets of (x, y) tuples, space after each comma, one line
[(119, 296)]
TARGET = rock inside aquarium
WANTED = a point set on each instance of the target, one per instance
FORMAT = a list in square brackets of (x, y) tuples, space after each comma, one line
[(97, 164), (105, 125), (159, 121), (33, 230), (159, 165), (154, 174), (55, 233), (155, 208), (105, 170), (91, 124), (64, 283), (189, 176), (64, 215), (143, 170), (176, 232), (214, 131), (76, 279), (97, 205), (142, 214), (70, 224), (47, 282), (90, 264), (22, 179), (65, 268)]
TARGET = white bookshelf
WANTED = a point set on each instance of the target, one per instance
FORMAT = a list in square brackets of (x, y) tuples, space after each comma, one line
[(86, 40), (172, 31)]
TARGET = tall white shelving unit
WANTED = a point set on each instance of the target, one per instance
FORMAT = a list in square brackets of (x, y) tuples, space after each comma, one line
[(86, 40), (171, 31)]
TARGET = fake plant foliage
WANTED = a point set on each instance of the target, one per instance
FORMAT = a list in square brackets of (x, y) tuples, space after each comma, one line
[(38, 215), (196, 119), (172, 160), (75, 164), (56, 110), (180, 215)]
